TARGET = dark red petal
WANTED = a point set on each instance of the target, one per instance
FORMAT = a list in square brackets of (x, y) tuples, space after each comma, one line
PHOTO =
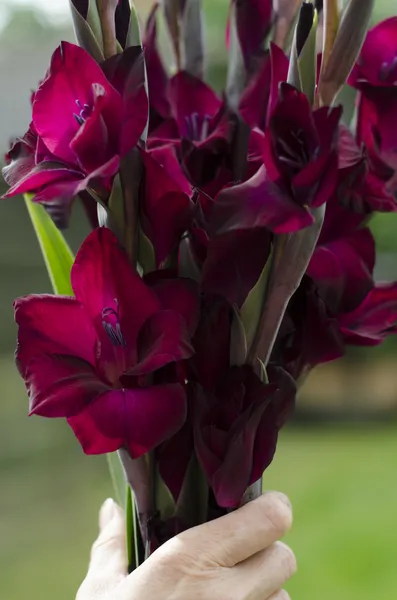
[(212, 342), (61, 386), (376, 64), (190, 96), (139, 419), (163, 339), (72, 74), (180, 295), (167, 210), (20, 158), (374, 319), (258, 202), (44, 174), (166, 156), (234, 263), (52, 325), (342, 269), (254, 101), (279, 73), (102, 277), (126, 71), (254, 19), (174, 457)]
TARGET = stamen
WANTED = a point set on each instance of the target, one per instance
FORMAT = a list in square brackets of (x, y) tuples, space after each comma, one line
[(85, 111), (111, 324)]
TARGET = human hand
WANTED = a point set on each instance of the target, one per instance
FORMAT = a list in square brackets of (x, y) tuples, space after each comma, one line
[(235, 557)]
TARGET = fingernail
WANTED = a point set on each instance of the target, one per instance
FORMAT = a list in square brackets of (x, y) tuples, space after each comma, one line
[(107, 512), (282, 497)]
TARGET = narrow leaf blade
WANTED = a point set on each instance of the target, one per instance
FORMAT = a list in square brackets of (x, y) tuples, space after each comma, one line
[(57, 255)]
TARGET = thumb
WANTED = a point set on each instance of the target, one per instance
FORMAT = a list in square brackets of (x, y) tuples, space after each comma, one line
[(109, 552)]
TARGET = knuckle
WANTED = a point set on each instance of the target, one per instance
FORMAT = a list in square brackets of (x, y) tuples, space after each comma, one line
[(286, 559), (278, 513)]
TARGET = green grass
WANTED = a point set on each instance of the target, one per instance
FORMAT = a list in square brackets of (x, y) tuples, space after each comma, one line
[(342, 484)]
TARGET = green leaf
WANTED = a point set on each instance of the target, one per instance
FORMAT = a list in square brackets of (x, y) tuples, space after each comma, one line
[(132, 526), (251, 310), (352, 30), (146, 255), (57, 255), (307, 62), (193, 38), (303, 58), (236, 74), (117, 475), (134, 31)]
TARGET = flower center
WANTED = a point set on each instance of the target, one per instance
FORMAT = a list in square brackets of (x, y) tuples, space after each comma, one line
[(85, 112), (197, 127), (111, 324)]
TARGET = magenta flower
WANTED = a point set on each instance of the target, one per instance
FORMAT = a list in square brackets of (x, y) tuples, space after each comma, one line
[(261, 95), (93, 359), (377, 63), (236, 429), (338, 303), (374, 319), (344, 259), (375, 76), (83, 124), (365, 181), (300, 170)]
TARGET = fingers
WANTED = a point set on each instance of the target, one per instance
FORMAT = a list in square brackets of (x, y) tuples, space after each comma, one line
[(109, 552), (265, 573), (244, 532)]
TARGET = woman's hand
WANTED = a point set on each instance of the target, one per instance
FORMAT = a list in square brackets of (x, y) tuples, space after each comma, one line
[(235, 557)]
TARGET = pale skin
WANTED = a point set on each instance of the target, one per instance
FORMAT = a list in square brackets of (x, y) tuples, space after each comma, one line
[(236, 557)]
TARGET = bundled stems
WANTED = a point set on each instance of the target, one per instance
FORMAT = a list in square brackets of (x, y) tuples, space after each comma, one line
[(138, 476)]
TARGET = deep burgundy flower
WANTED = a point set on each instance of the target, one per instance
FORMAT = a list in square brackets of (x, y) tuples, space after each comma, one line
[(365, 181), (374, 319), (338, 302), (91, 358), (236, 429), (301, 147), (343, 261), (309, 334), (260, 96), (299, 172), (375, 76), (377, 63), (83, 124)]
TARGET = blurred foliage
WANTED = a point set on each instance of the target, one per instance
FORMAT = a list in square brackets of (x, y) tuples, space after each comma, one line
[(340, 480)]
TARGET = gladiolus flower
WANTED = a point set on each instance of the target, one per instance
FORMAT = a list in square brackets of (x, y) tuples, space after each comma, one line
[(83, 125), (93, 358)]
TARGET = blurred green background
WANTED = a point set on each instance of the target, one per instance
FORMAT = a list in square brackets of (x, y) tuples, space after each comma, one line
[(337, 462)]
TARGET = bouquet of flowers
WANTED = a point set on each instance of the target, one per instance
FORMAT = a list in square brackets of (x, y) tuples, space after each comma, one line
[(230, 251)]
